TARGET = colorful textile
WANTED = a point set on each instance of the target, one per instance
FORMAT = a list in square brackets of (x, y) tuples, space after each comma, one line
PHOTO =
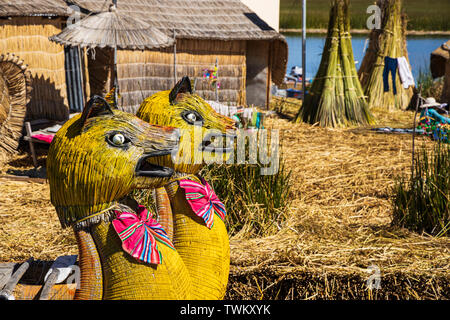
[(44, 137), (203, 201), (434, 125), (390, 65), (139, 234)]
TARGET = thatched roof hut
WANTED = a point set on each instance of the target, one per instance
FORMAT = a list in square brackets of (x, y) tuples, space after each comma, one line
[(249, 53), (24, 30), (440, 67)]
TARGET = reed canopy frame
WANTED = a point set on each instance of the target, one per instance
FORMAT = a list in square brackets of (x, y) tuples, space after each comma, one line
[(112, 29)]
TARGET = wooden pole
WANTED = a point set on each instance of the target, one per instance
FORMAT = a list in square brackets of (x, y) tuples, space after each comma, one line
[(419, 98), (269, 76), (116, 81), (217, 79), (304, 49), (7, 292), (174, 57)]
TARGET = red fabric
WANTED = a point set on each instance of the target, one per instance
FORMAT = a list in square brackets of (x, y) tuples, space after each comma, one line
[(44, 137)]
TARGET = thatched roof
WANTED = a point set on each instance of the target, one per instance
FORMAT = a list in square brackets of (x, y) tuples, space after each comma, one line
[(197, 19), (203, 19), (438, 59), (22, 8), (113, 29)]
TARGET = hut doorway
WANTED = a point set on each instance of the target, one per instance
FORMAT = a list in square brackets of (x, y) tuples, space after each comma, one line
[(74, 78), (101, 70), (258, 73)]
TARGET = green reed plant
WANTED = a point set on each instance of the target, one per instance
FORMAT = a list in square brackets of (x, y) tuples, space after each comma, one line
[(421, 203), (256, 204)]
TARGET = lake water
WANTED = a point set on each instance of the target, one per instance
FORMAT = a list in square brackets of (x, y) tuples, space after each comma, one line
[(419, 50)]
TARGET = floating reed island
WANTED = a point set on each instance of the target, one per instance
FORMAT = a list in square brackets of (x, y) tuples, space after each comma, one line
[(336, 97), (337, 225)]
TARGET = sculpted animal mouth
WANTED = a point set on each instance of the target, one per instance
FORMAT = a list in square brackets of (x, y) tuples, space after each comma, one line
[(146, 169), (211, 144)]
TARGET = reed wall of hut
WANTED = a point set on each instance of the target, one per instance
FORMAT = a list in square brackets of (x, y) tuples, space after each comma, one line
[(143, 73), (27, 37)]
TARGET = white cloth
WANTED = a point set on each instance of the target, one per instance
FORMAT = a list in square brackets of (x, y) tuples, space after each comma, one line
[(64, 264), (405, 73)]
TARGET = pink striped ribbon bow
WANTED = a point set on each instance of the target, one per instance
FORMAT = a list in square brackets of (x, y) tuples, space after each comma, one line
[(139, 234), (203, 201)]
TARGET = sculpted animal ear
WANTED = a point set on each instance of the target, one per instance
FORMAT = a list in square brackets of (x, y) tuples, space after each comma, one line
[(183, 86), (95, 107)]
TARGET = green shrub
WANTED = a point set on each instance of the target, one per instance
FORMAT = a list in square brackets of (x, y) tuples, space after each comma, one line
[(256, 204), (421, 203)]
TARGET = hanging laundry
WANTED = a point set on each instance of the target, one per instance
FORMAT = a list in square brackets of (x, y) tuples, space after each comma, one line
[(390, 65), (405, 72)]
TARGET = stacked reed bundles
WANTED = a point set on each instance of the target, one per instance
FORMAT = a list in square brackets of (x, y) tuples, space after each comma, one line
[(143, 73), (336, 97), (27, 37), (389, 41), (15, 86)]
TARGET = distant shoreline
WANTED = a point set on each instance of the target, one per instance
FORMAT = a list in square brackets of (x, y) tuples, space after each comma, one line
[(366, 31)]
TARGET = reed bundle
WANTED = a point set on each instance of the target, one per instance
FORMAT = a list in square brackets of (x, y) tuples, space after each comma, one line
[(336, 97), (389, 41)]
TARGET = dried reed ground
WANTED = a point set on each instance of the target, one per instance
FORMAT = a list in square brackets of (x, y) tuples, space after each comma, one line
[(339, 222)]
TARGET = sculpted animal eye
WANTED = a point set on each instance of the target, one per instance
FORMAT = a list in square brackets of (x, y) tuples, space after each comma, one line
[(118, 139), (191, 117)]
